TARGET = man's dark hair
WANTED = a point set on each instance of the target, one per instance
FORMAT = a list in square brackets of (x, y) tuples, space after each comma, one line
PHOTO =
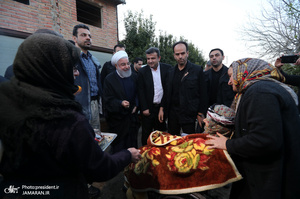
[(221, 51), (48, 31), (153, 50), (137, 59), (72, 42), (75, 29), (181, 42), (119, 45)]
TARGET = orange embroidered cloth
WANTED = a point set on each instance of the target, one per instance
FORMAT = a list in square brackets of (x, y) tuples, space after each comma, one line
[(177, 165)]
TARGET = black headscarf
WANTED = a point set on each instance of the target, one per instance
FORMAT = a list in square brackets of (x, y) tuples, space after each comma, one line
[(42, 90)]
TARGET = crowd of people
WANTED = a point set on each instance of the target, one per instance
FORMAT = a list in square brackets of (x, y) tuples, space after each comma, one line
[(47, 131)]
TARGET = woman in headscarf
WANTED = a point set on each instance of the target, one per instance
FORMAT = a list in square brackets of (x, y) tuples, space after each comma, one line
[(45, 137), (266, 142)]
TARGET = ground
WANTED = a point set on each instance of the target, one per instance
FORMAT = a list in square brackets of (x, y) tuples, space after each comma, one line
[(112, 189)]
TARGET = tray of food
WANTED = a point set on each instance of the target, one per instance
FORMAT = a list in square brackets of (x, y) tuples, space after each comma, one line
[(105, 139)]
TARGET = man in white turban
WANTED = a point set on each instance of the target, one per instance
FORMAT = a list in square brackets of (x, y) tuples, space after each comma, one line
[(120, 102), (120, 61)]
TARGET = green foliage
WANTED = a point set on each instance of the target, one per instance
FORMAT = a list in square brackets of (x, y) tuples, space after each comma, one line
[(291, 69), (165, 44), (292, 9), (195, 55), (140, 35)]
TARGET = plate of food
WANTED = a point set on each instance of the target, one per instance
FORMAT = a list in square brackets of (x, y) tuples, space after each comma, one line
[(105, 139)]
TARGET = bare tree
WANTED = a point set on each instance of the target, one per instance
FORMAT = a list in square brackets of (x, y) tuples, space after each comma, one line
[(276, 31)]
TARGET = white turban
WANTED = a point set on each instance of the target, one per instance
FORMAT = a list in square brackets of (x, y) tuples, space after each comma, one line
[(117, 56)]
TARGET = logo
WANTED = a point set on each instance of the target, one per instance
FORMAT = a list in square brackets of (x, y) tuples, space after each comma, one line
[(11, 189)]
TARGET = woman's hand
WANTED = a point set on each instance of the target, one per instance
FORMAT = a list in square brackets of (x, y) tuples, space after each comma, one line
[(216, 142), (135, 154), (125, 104)]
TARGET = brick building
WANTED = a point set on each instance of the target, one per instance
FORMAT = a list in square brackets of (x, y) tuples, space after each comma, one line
[(20, 18)]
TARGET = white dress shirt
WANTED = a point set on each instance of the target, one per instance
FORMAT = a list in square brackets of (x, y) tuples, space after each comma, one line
[(158, 89)]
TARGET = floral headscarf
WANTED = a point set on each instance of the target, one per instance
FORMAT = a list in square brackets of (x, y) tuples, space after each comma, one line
[(247, 71)]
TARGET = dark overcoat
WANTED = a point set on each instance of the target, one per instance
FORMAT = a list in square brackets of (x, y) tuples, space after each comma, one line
[(266, 143)]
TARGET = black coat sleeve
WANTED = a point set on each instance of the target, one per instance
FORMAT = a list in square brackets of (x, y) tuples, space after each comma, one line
[(259, 127), (81, 152)]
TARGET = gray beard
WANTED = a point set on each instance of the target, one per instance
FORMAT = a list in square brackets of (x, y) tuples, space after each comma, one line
[(124, 74)]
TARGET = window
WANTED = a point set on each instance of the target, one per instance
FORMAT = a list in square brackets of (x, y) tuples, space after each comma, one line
[(23, 1), (88, 14)]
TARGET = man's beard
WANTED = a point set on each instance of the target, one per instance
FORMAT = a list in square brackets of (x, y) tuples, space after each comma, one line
[(85, 46), (124, 74), (216, 65)]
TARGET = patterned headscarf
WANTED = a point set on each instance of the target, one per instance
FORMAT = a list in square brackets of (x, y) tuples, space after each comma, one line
[(220, 119), (247, 71)]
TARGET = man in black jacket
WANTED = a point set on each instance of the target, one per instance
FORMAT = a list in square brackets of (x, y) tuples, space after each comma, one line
[(151, 85), (136, 65), (120, 100), (217, 80), (186, 99)]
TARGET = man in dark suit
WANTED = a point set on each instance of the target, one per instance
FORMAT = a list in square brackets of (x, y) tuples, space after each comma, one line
[(151, 87), (186, 99), (120, 100)]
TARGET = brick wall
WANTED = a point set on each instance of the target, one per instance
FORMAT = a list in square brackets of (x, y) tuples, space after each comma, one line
[(59, 15)]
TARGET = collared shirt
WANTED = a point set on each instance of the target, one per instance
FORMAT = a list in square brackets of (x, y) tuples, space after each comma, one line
[(158, 89), (91, 72)]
